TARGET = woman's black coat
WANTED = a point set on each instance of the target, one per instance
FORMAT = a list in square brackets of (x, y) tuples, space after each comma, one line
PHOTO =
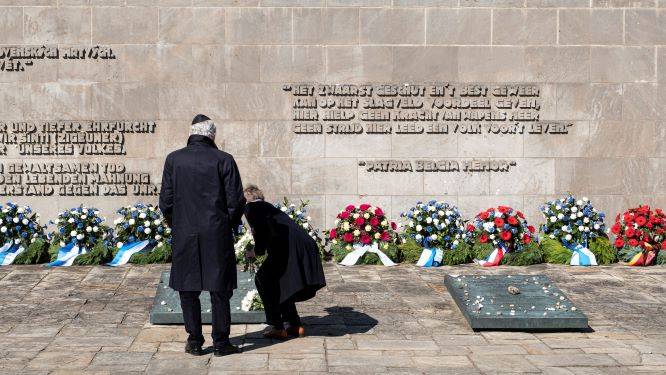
[(293, 256), (202, 200)]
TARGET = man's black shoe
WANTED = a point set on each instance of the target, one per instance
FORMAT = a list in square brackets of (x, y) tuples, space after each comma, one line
[(194, 349), (225, 350)]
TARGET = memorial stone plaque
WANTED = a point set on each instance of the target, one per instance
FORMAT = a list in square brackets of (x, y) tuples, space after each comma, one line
[(166, 306), (514, 302)]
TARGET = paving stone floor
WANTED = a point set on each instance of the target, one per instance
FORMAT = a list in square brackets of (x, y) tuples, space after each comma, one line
[(81, 320)]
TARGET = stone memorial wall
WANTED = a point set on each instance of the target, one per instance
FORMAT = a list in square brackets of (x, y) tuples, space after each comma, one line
[(476, 102)]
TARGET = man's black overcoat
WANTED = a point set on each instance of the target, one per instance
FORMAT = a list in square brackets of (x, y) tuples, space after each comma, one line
[(202, 200), (293, 257)]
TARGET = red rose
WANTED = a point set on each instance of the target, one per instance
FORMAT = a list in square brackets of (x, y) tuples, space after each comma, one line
[(629, 232), (531, 228), (505, 235), (527, 239), (394, 226), (364, 207), (348, 237), (483, 215), (374, 221), (332, 234), (633, 243), (520, 215), (483, 238), (470, 228), (365, 239), (619, 243), (350, 208), (359, 221), (379, 212), (385, 236), (641, 221), (344, 215), (615, 228), (663, 245), (503, 209), (512, 220), (499, 222)]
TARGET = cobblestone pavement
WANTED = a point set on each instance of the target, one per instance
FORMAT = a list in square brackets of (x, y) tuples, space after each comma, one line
[(368, 320)]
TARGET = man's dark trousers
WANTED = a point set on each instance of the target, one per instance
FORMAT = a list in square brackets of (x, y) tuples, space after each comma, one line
[(221, 314)]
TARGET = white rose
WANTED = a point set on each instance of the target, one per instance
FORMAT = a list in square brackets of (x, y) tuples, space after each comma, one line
[(79, 236), (142, 215), (133, 208), (558, 207), (553, 219), (551, 236), (3, 229), (418, 237), (419, 228), (377, 235), (146, 223), (568, 237), (429, 220), (560, 216), (384, 223), (62, 244), (492, 236), (368, 228), (356, 216), (456, 242), (597, 226), (440, 213), (572, 217), (20, 210), (83, 217), (433, 237), (574, 209), (119, 245), (158, 237), (305, 225), (16, 219), (131, 221), (579, 202), (357, 233), (73, 233), (586, 220), (95, 229), (283, 209), (88, 229), (147, 231), (366, 215), (71, 220), (411, 224), (581, 228), (25, 221), (157, 222)]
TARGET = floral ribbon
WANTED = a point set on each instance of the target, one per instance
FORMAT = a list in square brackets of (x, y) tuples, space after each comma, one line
[(9, 252), (431, 258), (360, 250), (66, 255), (494, 259), (582, 256), (643, 258), (126, 251)]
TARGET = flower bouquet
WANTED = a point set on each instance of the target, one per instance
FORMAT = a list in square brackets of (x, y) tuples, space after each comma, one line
[(80, 238), (21, 236), (437, 230), (244, 249), (299, 215), (364, 235), (502, 236), (252, 301), (640, 235), (142, 236), (574, 233)]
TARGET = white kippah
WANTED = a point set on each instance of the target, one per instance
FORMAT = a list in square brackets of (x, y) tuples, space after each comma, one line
[(205, 128)]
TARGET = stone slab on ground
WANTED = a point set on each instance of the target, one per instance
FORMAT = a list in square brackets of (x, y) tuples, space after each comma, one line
[(514, 302), (166, 306)]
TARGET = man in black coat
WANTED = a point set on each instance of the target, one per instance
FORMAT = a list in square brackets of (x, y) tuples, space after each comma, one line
[(202, 200), (292, 271)]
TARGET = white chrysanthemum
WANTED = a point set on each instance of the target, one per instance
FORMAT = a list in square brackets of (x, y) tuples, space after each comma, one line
[(131, 221), (581, 228), (283, 209), (345, 226), (73, 233), (574, 209), (384, 223), (95, 229), (356, 216), (377, 235), (572, 217), (71, 220), (306, 225), (597, 226), (118, 221), (586, 220), (158, 237), (440, 213), (146, 223), (357, 233), (62, 244), (20, 210), (119, 245), (3, 229), (552, 236), (579, 214), (157, 222), (492, 236), (558, 207), (568, 237), (560, 216), (579, 202), (15, 219), (428, 220), (553, 219), (151, 208), (419, 228), (418, 237), (142, 215), (147, 231), (79, 236), (433, 237), (25, 221), (88, 229), (337, 221)]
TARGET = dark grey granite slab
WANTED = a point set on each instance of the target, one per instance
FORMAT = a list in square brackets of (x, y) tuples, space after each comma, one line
[(487, 304), (166, 306)]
